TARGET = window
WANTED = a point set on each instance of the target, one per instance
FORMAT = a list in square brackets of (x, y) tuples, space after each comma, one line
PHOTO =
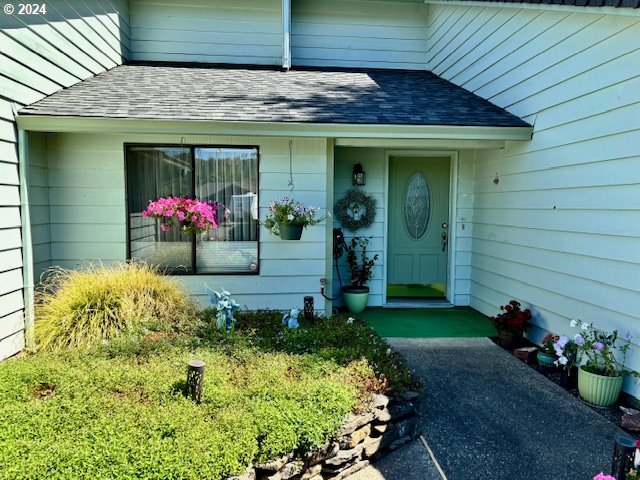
[(226, 175)]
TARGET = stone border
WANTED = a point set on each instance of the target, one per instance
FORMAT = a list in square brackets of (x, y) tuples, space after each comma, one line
[(363, 438)]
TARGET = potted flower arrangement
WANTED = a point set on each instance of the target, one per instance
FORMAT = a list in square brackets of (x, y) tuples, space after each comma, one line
[(191, 215), (566, 350), (511, 323), (600, 374), (356, 295), (287, 218), (546, 354)]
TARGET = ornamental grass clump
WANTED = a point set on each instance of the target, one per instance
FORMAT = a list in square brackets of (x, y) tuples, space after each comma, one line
[(82, 308)]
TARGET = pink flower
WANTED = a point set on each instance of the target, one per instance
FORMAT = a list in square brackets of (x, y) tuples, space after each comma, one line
[(602, 476), (164, 228)]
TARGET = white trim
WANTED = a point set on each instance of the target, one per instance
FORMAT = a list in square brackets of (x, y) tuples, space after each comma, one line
[(625, 12), (453, 206), (286, 34), (27, 244), (45, 123)]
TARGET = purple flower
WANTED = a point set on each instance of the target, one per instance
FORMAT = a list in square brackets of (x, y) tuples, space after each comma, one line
[(598, 345), (562, 341), (579, 339), (628, 336)]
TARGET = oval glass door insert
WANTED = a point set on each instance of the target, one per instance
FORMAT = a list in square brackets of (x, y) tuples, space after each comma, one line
[(417, 205)]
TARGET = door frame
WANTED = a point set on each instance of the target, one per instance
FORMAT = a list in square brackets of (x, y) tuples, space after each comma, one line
[(452, 232)]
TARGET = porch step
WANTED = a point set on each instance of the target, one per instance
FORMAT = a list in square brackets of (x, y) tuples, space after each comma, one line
[(417, 303)]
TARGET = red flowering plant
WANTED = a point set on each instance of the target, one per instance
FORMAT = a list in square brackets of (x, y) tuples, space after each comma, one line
[(193, 216), (548, 343), (512, 319)]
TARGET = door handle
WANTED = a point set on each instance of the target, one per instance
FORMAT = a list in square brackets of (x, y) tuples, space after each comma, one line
[(444, 241)]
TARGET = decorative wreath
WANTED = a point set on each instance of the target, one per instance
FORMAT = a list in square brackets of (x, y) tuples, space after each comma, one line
[(356, 210)]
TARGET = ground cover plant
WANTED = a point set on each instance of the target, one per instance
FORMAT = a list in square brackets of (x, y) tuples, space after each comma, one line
[(114, 407)]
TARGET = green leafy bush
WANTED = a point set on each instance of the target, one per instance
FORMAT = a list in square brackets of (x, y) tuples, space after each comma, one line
[(80, 415), (80, 308), (336, 339)]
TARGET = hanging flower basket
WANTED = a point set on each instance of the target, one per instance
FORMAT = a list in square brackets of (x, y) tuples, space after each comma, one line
[(188, 214), (287, 218), (290, 231)]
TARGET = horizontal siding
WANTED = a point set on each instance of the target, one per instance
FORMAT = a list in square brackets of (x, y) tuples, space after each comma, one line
[(358, 34), (560, 229), (40, 55), (241, 32), (86, 174)]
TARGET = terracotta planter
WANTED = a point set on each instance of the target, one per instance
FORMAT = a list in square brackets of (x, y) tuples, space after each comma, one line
[(599, 390), (290, 231)]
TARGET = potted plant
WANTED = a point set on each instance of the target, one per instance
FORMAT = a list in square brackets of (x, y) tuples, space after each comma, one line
[(566, 350), (287, 218), (600, 374), (511, 323), (356, 295), (546, 354)]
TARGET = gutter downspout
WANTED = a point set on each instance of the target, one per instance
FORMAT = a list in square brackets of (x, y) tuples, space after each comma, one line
[(27, 250), (286, 34)]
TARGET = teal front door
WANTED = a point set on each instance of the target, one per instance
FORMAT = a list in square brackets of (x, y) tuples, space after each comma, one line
[(418, 226)]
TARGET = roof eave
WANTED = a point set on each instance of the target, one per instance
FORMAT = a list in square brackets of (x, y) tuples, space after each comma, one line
[(49, 123)]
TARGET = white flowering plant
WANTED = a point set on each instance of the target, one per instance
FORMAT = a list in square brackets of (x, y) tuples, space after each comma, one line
[(287, 211), (593, 349)]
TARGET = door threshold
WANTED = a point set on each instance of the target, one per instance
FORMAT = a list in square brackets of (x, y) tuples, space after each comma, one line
[(417, 303)]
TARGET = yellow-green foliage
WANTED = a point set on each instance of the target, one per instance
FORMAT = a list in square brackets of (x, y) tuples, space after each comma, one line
[(80, 308), (80, 415)]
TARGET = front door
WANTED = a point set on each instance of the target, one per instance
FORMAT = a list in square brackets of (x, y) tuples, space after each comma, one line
[(418, 226)]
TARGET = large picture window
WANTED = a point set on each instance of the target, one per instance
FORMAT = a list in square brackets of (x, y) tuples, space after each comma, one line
[(225, 175)]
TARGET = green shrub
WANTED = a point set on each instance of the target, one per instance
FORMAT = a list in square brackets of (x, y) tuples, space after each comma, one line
[(80, 308), (80, 415), (335, 339)]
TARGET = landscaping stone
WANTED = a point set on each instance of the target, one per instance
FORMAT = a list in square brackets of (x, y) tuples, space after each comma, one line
[(356, 437), (351, 470), (379, 400), (249, 474), (383, 416), (409, 396), (364, 437), (317, 456), (355, 422)]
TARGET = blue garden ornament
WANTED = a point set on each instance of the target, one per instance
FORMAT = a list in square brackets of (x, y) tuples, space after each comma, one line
[(291, 319), (225, 307)]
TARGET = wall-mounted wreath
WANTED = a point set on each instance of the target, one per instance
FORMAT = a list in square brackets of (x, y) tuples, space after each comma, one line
[(355, 210)]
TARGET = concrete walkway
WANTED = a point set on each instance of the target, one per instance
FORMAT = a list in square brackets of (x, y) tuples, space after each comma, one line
[(485, 414)]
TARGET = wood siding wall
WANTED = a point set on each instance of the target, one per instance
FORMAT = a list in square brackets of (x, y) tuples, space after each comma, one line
[(373, 161), (38, 56), (561, 230), (358, 34), (238, 32), (86, 174)]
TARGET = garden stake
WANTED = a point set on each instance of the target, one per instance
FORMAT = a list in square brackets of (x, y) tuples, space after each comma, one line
[(308, 307), (195, 378), (624, 450)]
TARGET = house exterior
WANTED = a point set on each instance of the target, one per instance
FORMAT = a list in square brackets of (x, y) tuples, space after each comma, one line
[(533, 178)]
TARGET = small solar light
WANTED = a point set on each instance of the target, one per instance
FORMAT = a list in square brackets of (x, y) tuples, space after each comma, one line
[(195, 379)]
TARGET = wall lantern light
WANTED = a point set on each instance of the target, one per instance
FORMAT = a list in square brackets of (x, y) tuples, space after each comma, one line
[(359, 175)]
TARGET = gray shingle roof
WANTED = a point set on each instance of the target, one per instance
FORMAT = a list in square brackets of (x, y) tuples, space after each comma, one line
[(575, 3), (201, 92)]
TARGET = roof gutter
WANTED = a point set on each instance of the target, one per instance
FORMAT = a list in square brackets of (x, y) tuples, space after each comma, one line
[(43, 123), (583, 9)]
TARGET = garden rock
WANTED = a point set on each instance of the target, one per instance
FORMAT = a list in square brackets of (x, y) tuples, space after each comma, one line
[(323, 453), (345, 456), (409, 396), (399, 411), (383, 416), (312, 472), (356, 437), (274, 465), (372, 446), (355, 422), (291, 470), (356, 467), (249, 474), (379, 400), (380, 429), (399, 442), (631, 421)]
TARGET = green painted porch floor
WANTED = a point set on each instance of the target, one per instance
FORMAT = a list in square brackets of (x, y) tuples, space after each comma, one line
[(428, 322)]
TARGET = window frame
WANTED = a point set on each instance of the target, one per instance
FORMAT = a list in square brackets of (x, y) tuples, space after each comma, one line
[(192, 147)]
